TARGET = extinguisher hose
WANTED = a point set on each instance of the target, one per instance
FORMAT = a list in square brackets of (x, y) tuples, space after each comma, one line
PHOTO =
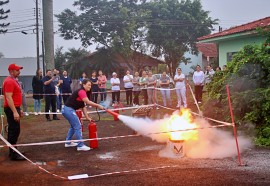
[(98, 116)]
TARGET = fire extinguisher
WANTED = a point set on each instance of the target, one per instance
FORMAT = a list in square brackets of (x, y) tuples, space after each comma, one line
[(79, 114), (116, 106), (92, 127)]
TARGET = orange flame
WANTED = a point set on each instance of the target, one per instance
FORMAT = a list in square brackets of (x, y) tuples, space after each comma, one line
[(182, 121)]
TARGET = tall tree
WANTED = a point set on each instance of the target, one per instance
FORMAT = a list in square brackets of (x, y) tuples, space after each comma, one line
[(59, 59), (3, 16), (175, 28), (113, 24), (76, 62)]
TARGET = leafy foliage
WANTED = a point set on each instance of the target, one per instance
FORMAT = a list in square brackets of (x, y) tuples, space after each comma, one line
[(248, 76), (3, 16), (169, 27)]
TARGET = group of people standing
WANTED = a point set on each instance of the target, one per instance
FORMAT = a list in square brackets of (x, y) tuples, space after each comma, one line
[(135, 86), (54, 88)]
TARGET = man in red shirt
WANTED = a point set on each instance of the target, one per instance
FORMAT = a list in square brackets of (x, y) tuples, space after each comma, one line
[(13, 100)]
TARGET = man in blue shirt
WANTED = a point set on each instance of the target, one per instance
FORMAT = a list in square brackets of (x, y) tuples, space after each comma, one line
[(50, 96)]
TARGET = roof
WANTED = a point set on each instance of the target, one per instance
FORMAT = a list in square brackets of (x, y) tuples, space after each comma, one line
[(29, 65), (239, 29), (207, 49)]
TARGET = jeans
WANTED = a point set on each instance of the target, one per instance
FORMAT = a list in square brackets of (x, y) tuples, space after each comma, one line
[(50, 100), (151, 95), (166, 94), (94, 96), (75, 125), (117, 94), (129, 95), (24, 103), (181, 96), (103, 94), (65, 97), (198, 92), (13, 127), (145, 96), (136, 97), (37, 105)]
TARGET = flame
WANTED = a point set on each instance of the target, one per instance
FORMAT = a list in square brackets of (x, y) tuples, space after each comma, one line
[(182, 121)]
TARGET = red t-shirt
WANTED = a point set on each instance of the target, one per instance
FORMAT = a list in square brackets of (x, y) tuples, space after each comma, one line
[(10, 85), (81, 94)]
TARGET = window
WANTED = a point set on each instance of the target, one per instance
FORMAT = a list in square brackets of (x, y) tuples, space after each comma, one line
[(230, 56)]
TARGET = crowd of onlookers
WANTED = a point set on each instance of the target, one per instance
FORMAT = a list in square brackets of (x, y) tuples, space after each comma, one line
[(55, 88)]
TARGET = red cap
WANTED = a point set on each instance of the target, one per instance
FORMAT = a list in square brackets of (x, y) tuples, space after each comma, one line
[(13, 66)]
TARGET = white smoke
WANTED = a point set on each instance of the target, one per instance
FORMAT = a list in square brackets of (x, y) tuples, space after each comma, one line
[(212, 143)]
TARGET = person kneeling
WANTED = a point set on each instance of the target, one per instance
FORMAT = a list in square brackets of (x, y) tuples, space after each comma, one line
[(78, 100)]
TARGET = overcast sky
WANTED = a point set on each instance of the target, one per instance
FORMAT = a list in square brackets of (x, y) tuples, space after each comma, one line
[(229, 12)]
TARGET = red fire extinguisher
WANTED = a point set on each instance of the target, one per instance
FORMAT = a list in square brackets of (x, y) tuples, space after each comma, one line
[(92, 127), (116, 106), (79, 114)]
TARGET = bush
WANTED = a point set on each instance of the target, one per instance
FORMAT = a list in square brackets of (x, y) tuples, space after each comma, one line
[(248, 77)]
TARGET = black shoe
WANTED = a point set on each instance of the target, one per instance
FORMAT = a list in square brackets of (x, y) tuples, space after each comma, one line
[(16, 157), (49, 119), (56, 118)]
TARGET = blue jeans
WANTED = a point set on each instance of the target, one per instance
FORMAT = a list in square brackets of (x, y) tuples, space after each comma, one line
[(103, 94), (59, 100), (75, 125), (166, 94), (37, 105)]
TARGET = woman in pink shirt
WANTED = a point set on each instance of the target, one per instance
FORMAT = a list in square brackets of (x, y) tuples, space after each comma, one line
[(78, 100), (102, 85)]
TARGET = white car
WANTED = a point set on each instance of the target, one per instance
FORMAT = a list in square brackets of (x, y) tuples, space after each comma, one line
[(172, 84)]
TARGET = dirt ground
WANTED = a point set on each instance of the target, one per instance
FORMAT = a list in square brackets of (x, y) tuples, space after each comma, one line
[(122, 154)]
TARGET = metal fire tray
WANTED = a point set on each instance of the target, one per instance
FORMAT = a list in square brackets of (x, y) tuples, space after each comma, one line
[(142, 112)]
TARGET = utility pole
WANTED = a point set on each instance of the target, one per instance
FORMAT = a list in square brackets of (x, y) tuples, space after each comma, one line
[(37, 34), (47, 6)]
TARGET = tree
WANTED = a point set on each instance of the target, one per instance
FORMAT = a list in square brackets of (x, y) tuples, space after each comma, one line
[(3, 16), (1, 55), (59, 59), (112, 24), (76, 62), (175, 29)]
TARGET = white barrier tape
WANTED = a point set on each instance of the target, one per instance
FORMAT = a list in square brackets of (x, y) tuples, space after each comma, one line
[(107, 138), (194, 99), (41, 168), (91, 112), (221, 122), (134, 170)]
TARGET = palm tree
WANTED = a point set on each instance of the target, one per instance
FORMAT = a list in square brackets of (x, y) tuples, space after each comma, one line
[(104, 60), (76, 62)]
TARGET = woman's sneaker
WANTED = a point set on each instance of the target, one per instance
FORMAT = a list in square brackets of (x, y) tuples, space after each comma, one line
[(72, 144), (83, 148)]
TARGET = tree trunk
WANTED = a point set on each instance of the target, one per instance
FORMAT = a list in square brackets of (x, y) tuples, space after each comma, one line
[(47, 6)]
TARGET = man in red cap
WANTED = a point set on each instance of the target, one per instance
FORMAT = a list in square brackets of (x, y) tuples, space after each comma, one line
[(12, 103)]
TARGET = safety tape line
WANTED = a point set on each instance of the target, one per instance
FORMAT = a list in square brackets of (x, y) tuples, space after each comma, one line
[(13, 148), (194, 99), (91, 112), (221, 122), (110, 91), (134, 170), (112, 137)]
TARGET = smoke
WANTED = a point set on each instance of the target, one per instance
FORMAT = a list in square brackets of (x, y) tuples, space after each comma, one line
[(212, 143)]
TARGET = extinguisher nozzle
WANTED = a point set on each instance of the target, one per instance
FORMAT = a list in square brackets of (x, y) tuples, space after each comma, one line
[(112, 113)]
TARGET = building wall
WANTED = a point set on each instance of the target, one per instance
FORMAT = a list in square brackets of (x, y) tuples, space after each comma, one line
[(236, 45)]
